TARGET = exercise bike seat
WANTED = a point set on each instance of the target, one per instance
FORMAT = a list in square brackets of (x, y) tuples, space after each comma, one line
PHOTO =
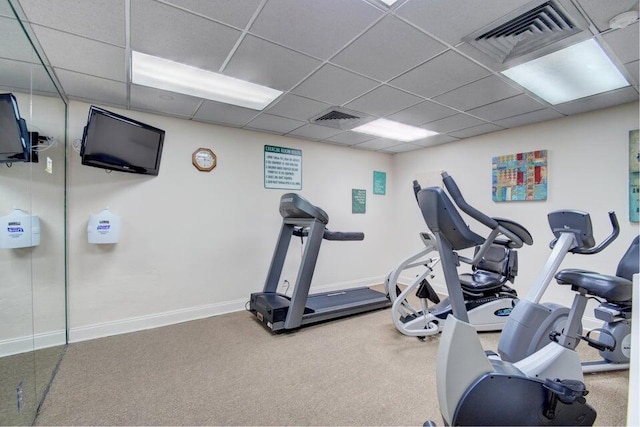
[(498, 265), (615, 289), (612, 288)]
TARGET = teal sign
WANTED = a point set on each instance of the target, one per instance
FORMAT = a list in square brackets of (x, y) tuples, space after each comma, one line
[(379, 182), (358, 201)]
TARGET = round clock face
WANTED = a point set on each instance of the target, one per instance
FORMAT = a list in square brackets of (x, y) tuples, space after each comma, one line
[(204, 159)]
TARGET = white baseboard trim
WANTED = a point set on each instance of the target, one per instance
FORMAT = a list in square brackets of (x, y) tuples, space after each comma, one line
[(24, 344), (100, 330)]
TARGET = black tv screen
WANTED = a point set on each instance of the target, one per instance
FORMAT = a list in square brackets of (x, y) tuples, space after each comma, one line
[(14, 137), (115, 142)]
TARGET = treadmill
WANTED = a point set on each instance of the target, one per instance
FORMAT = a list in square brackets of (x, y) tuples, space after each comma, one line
[(280, 312)]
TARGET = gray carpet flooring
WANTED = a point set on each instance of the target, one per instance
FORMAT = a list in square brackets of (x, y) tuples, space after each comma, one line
[(229, 370)]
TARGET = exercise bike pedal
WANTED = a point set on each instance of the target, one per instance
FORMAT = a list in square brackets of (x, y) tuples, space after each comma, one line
[(599, 345), (565, 391)]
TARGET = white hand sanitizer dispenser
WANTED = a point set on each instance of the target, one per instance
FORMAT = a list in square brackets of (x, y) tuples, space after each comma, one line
[(104, 228), (19, 230)]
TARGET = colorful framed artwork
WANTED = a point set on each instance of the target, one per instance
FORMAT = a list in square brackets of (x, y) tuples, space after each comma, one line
[(520, 177)]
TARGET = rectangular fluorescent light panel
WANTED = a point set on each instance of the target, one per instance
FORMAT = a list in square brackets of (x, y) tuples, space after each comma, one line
[(575, 72), (393, 130), (160, 73)]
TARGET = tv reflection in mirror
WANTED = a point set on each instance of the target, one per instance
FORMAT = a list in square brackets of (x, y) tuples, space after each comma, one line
[(115, 142), (14, 137)]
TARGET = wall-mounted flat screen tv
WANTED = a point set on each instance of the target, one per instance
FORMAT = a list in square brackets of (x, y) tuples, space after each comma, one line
[(112, 141), (14, 137)]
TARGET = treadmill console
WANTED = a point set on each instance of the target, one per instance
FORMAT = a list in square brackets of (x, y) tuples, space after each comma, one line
[(293, 205)]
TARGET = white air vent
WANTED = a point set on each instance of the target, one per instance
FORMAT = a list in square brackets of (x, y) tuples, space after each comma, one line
[(534, 29), (341, 118)]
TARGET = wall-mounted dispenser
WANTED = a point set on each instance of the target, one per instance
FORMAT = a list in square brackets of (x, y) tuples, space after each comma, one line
[(19, 230), (104, 228)]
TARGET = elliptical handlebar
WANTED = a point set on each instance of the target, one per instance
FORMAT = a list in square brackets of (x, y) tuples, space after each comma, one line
[(455, 193), (416, 188), (606, 242), (517, 235)]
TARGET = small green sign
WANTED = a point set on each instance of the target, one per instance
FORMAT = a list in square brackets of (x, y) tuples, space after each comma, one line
[(379, 182), (358, 201)]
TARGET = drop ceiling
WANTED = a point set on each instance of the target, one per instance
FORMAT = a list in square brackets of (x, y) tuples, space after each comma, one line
[(417, 62)]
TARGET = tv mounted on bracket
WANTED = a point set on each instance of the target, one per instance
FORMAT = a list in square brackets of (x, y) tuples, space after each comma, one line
[(14, 137), (112, 141)]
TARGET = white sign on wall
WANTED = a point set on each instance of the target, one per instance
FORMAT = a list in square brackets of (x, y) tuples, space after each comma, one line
[(282, 168)]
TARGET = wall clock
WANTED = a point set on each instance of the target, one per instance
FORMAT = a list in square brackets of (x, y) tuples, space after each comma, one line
[(204, 159)]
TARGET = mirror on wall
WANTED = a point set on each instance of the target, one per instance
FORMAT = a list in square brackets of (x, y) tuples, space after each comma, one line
[(32, 220)]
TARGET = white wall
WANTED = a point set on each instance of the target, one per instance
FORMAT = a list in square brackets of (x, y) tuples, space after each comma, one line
[(588, 169), (196, 244)]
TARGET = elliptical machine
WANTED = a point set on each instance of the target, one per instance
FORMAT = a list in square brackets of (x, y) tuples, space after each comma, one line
[(488, 297), (472, 388)]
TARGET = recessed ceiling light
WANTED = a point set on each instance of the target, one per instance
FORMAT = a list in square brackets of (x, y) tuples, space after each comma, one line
[(160, 73), (575, 72), (393, 130)]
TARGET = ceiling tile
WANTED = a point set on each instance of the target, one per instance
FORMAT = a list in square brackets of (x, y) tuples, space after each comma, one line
[(275, 124), (424, 112), (268, 64), (596, 102), (451, 20), (633, 69), (377, 144), (476, 130), (434, 140), (401, 148), (297, 107), (95, 19), (170, 33), (350, 138), (150, 99), (14, 43), (93, 89), (82, 55), (517, 105), (334, 85), (383, 100), (217, 112), (318, 28), (601, 12), (481, 92), (453, 123), (5, 10), (528, 118), (315, 132), (388, 49), (24, 77), (232, 12), (441, 74), (624, 43)]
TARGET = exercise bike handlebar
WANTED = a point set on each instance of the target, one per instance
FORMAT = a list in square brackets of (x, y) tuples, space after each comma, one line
[(606, 242)]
